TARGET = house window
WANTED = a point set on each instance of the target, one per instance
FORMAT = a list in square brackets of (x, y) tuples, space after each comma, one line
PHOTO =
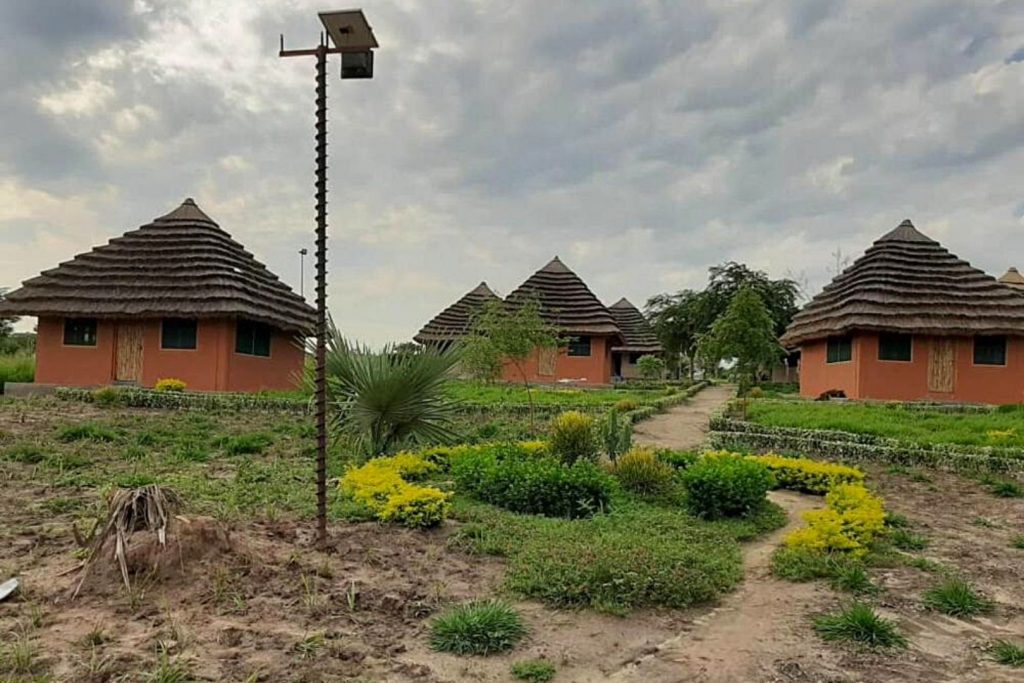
[(895, 347), (840, 349), (990, 350), (252, 339), (579, 346), (177, 333), (634, 357), (80, 332)]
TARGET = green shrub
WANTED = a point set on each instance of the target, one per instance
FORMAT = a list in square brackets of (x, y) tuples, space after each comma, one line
[(573, 437), (106, 396), (726, 486), (1007, 653), (86, 431), (755, 392), (679, 460), (616, 434), (640, 471), (956, 597), (534, 671), (626, 405), (477, 628), (617, 562), (859, 623), (904, 539), (533, 484), (247, 444), (1007, 489)]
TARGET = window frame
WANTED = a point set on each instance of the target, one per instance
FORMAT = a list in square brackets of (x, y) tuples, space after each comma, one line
[(163, 334), (1005, 350), (253, 327), (93, 322), (577, 343), (838, 339), (896, 336)]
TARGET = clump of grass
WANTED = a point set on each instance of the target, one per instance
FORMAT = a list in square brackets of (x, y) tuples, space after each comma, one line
[(134, 453), (924, 564), (170, 671), (87, 431), (308, 647), (904, 539), (1006, 488), (477, 628), (60, 505), (859, 623), (247, 444), (534, 670), (94, 638), (191, 451), (26, 453), (1007, 653), (895, 520), (956, 597), (853, 578), (1018, 542), (20, 656), (985, 523)]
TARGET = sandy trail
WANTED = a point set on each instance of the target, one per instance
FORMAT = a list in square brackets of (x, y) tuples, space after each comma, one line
[(684, 426)]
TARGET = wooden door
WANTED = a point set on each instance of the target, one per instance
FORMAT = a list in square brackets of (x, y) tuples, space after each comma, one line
[(547, 356), (128, 353), (942, 365)]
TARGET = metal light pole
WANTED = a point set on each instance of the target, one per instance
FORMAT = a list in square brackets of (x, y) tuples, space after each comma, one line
[(353, 39), (302, 272)]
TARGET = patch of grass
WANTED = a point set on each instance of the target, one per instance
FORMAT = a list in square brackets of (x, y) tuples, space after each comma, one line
[(853, 578), (860, 624), (60, 505), (86, 431), (904, 539), (310, 646), (534, 670), (985, 523), (477, 628), (924, 564), (844, 572), (1007, 653), (191, 451), (912, 425), (1006, 488), (170, 671), (956, 597), (27, 453), (134, 480), (247, 444), (17, 367), (1018, 542), (895, 520), (19, 657)]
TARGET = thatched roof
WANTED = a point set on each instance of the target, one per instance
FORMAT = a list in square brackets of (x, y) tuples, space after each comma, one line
[(1013, 278), (454, 321), (637, 334), (907, 282), (182, 265), (565, 301)]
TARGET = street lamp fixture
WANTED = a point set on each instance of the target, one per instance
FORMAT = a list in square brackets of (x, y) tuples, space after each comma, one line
[(353, 39)]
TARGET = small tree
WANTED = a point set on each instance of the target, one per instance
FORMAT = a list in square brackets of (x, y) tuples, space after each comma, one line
[(6, 324), (746, 333), (501, 334), (651, 367)]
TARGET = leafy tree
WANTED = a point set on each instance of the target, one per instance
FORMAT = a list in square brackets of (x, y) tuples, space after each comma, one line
[(778, 296), (679, 320), (651, 367), (745, 332), (388, 400), (503, 334), (6, 324)]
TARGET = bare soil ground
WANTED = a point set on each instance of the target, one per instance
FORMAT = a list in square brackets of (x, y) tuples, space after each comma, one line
[(684, 427), (268, 607)]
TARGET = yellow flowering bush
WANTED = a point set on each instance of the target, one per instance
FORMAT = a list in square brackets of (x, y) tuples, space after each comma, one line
[(853, 518), (1000, 435), (170, 384), (809, 476), (379, 485)]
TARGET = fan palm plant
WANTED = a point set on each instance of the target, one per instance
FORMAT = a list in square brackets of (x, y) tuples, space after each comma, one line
[(389, 399)]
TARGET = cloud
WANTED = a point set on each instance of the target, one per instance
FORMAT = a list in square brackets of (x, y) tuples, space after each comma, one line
[(643, 141)]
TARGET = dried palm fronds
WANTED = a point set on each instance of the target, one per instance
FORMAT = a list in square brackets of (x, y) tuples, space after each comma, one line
[(149, 508)]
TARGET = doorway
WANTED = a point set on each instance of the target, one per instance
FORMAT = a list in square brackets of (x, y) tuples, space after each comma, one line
[(128, 353)]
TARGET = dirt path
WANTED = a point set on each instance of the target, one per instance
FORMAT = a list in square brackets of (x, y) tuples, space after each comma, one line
[(684, 426), (752, 633)]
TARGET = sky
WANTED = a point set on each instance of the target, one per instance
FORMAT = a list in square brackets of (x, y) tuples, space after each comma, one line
[(640, 141)]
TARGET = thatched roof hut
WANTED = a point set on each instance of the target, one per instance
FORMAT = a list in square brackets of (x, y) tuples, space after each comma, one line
[(637, 334), (454, 322), (180, 265), (909, 283), (1013, 278), (565, 300)]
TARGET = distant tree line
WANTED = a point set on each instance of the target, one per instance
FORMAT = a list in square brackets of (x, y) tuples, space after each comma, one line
[(738, 316)]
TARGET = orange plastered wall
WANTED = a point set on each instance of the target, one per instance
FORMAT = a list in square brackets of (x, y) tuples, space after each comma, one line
[(255, 373), (203, 368), (73, 366), (817, 376), (593, 369)]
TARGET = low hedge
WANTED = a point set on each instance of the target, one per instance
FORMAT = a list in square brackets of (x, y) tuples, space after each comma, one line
[(731, 434), (533, 484), (131, 397)]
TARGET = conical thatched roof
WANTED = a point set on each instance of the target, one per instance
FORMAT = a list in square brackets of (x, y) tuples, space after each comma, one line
[(565, 301), (454, 321), (1013, 278), (907, 282), (637, 334), (181, 265)]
